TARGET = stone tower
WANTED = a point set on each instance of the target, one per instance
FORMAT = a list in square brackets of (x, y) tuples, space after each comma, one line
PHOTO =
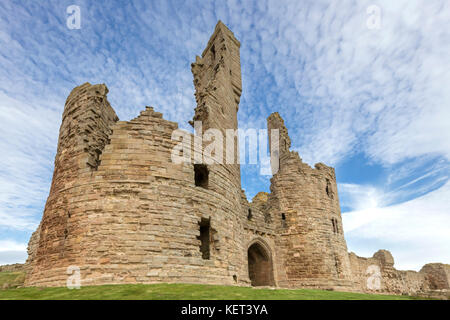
[(312, 248), (86, 125), (217, 81), (121, 210)]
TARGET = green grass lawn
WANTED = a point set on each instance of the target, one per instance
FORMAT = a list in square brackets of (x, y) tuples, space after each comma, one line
[(177, 292)]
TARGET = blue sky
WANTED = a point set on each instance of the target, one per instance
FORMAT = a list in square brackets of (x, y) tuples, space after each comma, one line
[(373, 103)]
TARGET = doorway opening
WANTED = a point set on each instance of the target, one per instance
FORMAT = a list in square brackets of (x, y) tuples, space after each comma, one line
[(260, 270)]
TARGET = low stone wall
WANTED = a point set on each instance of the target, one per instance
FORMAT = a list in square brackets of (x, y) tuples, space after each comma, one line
[(437, 275), (377, 274), (17, 267)]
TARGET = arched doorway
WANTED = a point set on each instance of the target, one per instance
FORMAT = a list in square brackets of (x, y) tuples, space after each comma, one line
[(260, 269)]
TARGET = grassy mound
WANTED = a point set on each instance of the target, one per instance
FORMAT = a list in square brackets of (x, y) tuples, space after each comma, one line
[(184, 292), (10, 280)]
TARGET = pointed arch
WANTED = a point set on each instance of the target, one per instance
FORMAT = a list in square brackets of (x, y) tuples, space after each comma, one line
[(260, 263)]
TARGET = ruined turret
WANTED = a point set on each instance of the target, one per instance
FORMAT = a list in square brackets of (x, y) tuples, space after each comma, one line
[(305, 206), (121, 210), (279, 148), (85, 129), (217, 82)]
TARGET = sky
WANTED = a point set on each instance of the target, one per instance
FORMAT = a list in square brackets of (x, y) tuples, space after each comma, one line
[(363, 90)]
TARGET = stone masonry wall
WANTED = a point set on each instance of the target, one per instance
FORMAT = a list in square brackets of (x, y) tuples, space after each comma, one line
[(141, 216), (437, 275), (86, 125), (130, 214), (305, 206), (17, 267), (122, 211), (377, 274)]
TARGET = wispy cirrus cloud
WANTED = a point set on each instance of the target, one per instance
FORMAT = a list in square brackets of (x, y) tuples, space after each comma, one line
[(415, 231), (344, 90)]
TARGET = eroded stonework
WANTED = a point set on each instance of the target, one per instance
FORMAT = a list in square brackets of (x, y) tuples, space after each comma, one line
[(122, 211)]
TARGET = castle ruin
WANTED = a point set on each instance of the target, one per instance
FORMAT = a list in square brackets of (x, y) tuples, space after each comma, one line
[(123, 212)]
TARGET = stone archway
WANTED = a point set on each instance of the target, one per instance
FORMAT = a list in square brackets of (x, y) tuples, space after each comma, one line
[(260, 269)]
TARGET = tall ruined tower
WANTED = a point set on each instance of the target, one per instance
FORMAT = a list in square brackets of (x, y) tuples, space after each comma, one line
[(217, 81), (121, 210), (311, 247), (86, 125)]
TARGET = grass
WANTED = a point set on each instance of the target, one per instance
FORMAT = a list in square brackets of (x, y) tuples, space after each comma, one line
[(176, 292), (11, 279)]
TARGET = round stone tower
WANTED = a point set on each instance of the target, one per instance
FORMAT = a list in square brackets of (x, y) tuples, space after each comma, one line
[(304, 202), (122, 211), (86, 125)]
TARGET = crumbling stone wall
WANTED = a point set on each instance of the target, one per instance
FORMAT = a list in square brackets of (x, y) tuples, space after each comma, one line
[(16, 267), (437, 275), (304, 204), (259, 229), (86, 125), (141, 215), (33, 244), (377, 274), (122, 211)]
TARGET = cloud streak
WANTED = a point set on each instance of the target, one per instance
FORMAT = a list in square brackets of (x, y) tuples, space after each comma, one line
[(342, 88), (416, 231)]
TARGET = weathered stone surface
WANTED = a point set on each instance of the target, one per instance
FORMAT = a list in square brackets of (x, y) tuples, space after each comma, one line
[(123, 212), (16, 267), (432, 280), (305, 207), (437, 275)]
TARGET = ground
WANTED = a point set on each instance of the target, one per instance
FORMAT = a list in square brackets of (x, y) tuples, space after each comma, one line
[(9, 280), (173, 292)]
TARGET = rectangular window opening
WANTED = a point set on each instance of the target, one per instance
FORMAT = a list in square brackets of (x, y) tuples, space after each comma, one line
[(201, 175)]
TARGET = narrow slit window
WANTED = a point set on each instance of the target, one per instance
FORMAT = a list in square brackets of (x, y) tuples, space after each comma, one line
[(249, 215), (283, 220), (205, 233), (328, 189), (213, 51), (335, 225)]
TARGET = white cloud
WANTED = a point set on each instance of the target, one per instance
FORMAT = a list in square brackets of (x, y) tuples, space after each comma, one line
[(12, 252), (341, 87), (11, 245), (30, 134), (381, 92), (358, 197), (416, 232)]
